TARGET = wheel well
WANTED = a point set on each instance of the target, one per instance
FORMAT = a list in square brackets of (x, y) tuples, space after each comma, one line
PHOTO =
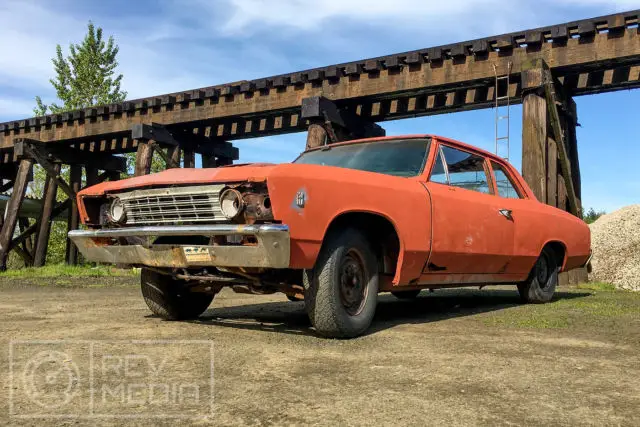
[(378, 230), (559, 251)]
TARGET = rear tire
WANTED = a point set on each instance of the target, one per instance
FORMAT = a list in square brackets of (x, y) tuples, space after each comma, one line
[(342, 289), (543, 280), (169, 298), (406, 294)]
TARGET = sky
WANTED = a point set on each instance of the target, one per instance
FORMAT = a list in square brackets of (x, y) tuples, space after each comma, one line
[(173, 45)]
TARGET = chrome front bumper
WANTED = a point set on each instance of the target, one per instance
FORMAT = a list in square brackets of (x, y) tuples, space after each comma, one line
[(134, 246)]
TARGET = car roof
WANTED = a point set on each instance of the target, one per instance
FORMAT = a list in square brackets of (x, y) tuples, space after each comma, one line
[(415, 136)]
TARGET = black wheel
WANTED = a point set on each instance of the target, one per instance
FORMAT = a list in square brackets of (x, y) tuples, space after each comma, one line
[(542, 282), (169, 298), (406, 294), (293, 298), (341, 291)]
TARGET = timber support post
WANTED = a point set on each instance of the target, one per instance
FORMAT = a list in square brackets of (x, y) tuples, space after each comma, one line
[(44, 219), (549, 149), (327, 123), (50, 158), (154, 138), (73, 218), (24, 175)]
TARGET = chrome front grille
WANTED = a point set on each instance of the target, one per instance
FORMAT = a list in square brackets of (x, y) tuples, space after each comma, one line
[(173, 205)]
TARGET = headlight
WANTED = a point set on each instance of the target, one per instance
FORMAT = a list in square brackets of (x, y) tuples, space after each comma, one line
[(231, 203), (116, 211)]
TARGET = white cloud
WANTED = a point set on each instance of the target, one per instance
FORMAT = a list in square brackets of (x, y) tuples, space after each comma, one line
[(455, 16)]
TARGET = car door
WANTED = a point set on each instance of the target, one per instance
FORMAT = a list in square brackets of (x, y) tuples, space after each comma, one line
[(471, 232), (512, 200)]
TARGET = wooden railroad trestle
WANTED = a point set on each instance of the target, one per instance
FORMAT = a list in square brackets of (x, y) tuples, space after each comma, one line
[(30, 241)]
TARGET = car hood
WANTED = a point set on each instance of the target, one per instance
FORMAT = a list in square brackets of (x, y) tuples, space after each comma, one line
[(255, 172)]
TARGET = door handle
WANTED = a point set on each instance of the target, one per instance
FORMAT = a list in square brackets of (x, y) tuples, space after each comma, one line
[(507, 213)]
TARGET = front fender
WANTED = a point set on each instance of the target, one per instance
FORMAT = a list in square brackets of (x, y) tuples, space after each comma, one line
[(309, 197)]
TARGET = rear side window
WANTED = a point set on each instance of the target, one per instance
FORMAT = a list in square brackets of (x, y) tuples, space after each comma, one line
[(504, 182), (466, 170)]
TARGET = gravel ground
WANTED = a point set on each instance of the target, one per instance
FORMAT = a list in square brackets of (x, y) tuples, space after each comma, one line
[(456, 358), (615, 241)]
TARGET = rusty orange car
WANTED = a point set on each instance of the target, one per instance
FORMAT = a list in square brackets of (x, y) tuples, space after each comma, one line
[(337, 226)]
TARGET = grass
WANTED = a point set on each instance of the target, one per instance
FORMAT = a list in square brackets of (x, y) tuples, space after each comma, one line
[(590, 305), (63, 270), (597, 286)]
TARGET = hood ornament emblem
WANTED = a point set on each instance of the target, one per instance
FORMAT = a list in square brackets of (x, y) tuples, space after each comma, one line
[(301, 198)]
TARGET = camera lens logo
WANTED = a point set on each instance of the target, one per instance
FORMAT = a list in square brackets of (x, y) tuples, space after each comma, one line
[(50, 379)]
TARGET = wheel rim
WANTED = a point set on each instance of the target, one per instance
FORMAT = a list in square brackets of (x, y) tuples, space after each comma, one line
[(542, 270), (353, 283)]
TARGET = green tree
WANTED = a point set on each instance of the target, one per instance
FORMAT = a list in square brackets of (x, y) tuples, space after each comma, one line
[(592, 215), (86, 77)]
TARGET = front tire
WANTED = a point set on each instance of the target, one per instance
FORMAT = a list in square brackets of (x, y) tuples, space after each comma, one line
[(543, 280), (342, 289), (169, 298)]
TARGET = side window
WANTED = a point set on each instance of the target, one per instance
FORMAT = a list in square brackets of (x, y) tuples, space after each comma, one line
[(438, 174), (503, 182), (466, 170)]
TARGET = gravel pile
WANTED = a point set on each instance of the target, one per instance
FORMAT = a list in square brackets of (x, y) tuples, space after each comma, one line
[(615, 241)]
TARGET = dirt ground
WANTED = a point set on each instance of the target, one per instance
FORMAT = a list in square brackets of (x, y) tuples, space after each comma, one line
[(464, 357)]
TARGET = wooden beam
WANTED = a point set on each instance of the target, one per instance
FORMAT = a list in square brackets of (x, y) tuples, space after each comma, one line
[(73, 219), (571, 121), (27, 233), (36, 151), (217, 148), (167, 157), (552, 173), (316, 136), (73, 156), (189, 158), (44, 220), (7, 185), (534, 140), (27, 245), (208, 161), (223, 103), (173, 155), (556, 125), (144, 156), (13, 206), (92, 176)]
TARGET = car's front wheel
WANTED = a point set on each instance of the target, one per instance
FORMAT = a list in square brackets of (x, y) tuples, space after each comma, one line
[(341, 291), (543, 280), (169, 298)]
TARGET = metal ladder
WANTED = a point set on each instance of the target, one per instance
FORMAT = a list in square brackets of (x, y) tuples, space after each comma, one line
[(502, 113)]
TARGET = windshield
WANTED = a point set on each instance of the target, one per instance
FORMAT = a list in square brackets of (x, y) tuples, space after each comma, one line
[(398, 157)]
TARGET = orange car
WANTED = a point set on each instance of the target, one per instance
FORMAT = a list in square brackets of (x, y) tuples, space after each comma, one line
[(337, 226)]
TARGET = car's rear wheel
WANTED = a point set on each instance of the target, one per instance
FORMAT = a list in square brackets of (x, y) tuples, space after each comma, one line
[(543, 279), (341, 291), (406, 294), (169, 298)]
